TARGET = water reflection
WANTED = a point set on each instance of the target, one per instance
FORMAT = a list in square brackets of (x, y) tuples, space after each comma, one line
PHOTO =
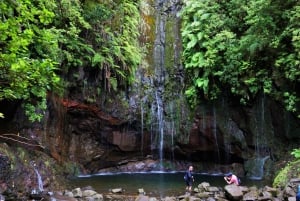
[(154, 183)]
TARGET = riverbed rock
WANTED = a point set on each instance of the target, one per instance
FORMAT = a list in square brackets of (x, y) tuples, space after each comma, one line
[(141, 191), (77, 193), (117, 190), (203, 195), (170, 199), (142, 198), (233, 192), (59, 197), (251, 195), (273, 191), (88, 193), (212, 189), (68, 193), (203, 186), (98, 197)]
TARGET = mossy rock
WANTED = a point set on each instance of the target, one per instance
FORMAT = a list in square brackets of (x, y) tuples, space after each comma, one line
[(291, 170)]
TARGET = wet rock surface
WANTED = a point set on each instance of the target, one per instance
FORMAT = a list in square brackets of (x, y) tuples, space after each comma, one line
[(205, 192), (202, 192)]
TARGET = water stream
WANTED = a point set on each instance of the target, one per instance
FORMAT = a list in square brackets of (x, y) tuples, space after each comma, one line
[(40, 185), (39, 180)]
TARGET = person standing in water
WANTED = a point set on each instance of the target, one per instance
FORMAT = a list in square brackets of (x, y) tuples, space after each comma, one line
[(189, 179)]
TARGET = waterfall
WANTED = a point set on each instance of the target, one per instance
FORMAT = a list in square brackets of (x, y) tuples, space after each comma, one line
[(257, 170), (260, 140), (142, 128), (255, 166), (39, 179), (159, 68), (214, 127), (173, 132), (160, 123)]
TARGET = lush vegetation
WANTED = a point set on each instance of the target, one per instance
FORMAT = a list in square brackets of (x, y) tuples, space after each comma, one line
[(242, 48), (41, 40), (28, 57), (291, 170)]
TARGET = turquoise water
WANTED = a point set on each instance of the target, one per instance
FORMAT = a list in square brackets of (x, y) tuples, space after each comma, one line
[(154, 183)]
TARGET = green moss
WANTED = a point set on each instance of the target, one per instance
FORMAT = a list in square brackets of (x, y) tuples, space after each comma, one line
[(291, 170), (281, 179)]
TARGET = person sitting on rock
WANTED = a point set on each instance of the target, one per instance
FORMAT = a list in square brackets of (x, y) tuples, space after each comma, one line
[(231, 179)]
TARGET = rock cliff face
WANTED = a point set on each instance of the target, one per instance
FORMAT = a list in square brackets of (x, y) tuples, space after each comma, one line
[(151, 120), (219, 138)]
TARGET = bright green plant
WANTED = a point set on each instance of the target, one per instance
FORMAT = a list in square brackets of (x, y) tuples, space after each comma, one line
[(296, 153), (242, 48), (114, 38), (43, 38), (28, 53), (281, 178)]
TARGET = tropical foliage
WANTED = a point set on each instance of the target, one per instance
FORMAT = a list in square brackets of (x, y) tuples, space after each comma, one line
[(242, 48), (114, 38), (43, 40), (28, 53), (296, 153)]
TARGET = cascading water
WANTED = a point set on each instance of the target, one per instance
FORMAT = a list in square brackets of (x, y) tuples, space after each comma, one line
[(214, 127), (173, 132), (160, 123), (142, 128), (156, 74), (39, 180), (159, 68), (261, 142)]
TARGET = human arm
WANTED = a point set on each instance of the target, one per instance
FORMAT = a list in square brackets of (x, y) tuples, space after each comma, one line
[(190, 176), (228, 180)]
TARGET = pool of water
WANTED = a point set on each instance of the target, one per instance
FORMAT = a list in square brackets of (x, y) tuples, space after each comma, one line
[(154, 183)]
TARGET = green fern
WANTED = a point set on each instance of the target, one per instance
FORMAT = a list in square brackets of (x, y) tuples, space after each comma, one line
[(296, 153)]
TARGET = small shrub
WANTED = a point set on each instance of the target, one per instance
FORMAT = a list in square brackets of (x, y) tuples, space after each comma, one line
[(296, 153)]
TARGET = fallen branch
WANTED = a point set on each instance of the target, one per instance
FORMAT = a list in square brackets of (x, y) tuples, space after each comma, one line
[(21, 140)]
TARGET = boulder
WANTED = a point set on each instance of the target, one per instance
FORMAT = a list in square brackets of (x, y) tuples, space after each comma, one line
[(203, 195), (142, 198), (88, 193), (117, 190), (77, 193), (271, 190), (59, 197), (141, 191), (98, 197), (233, 192), (251, 196)]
